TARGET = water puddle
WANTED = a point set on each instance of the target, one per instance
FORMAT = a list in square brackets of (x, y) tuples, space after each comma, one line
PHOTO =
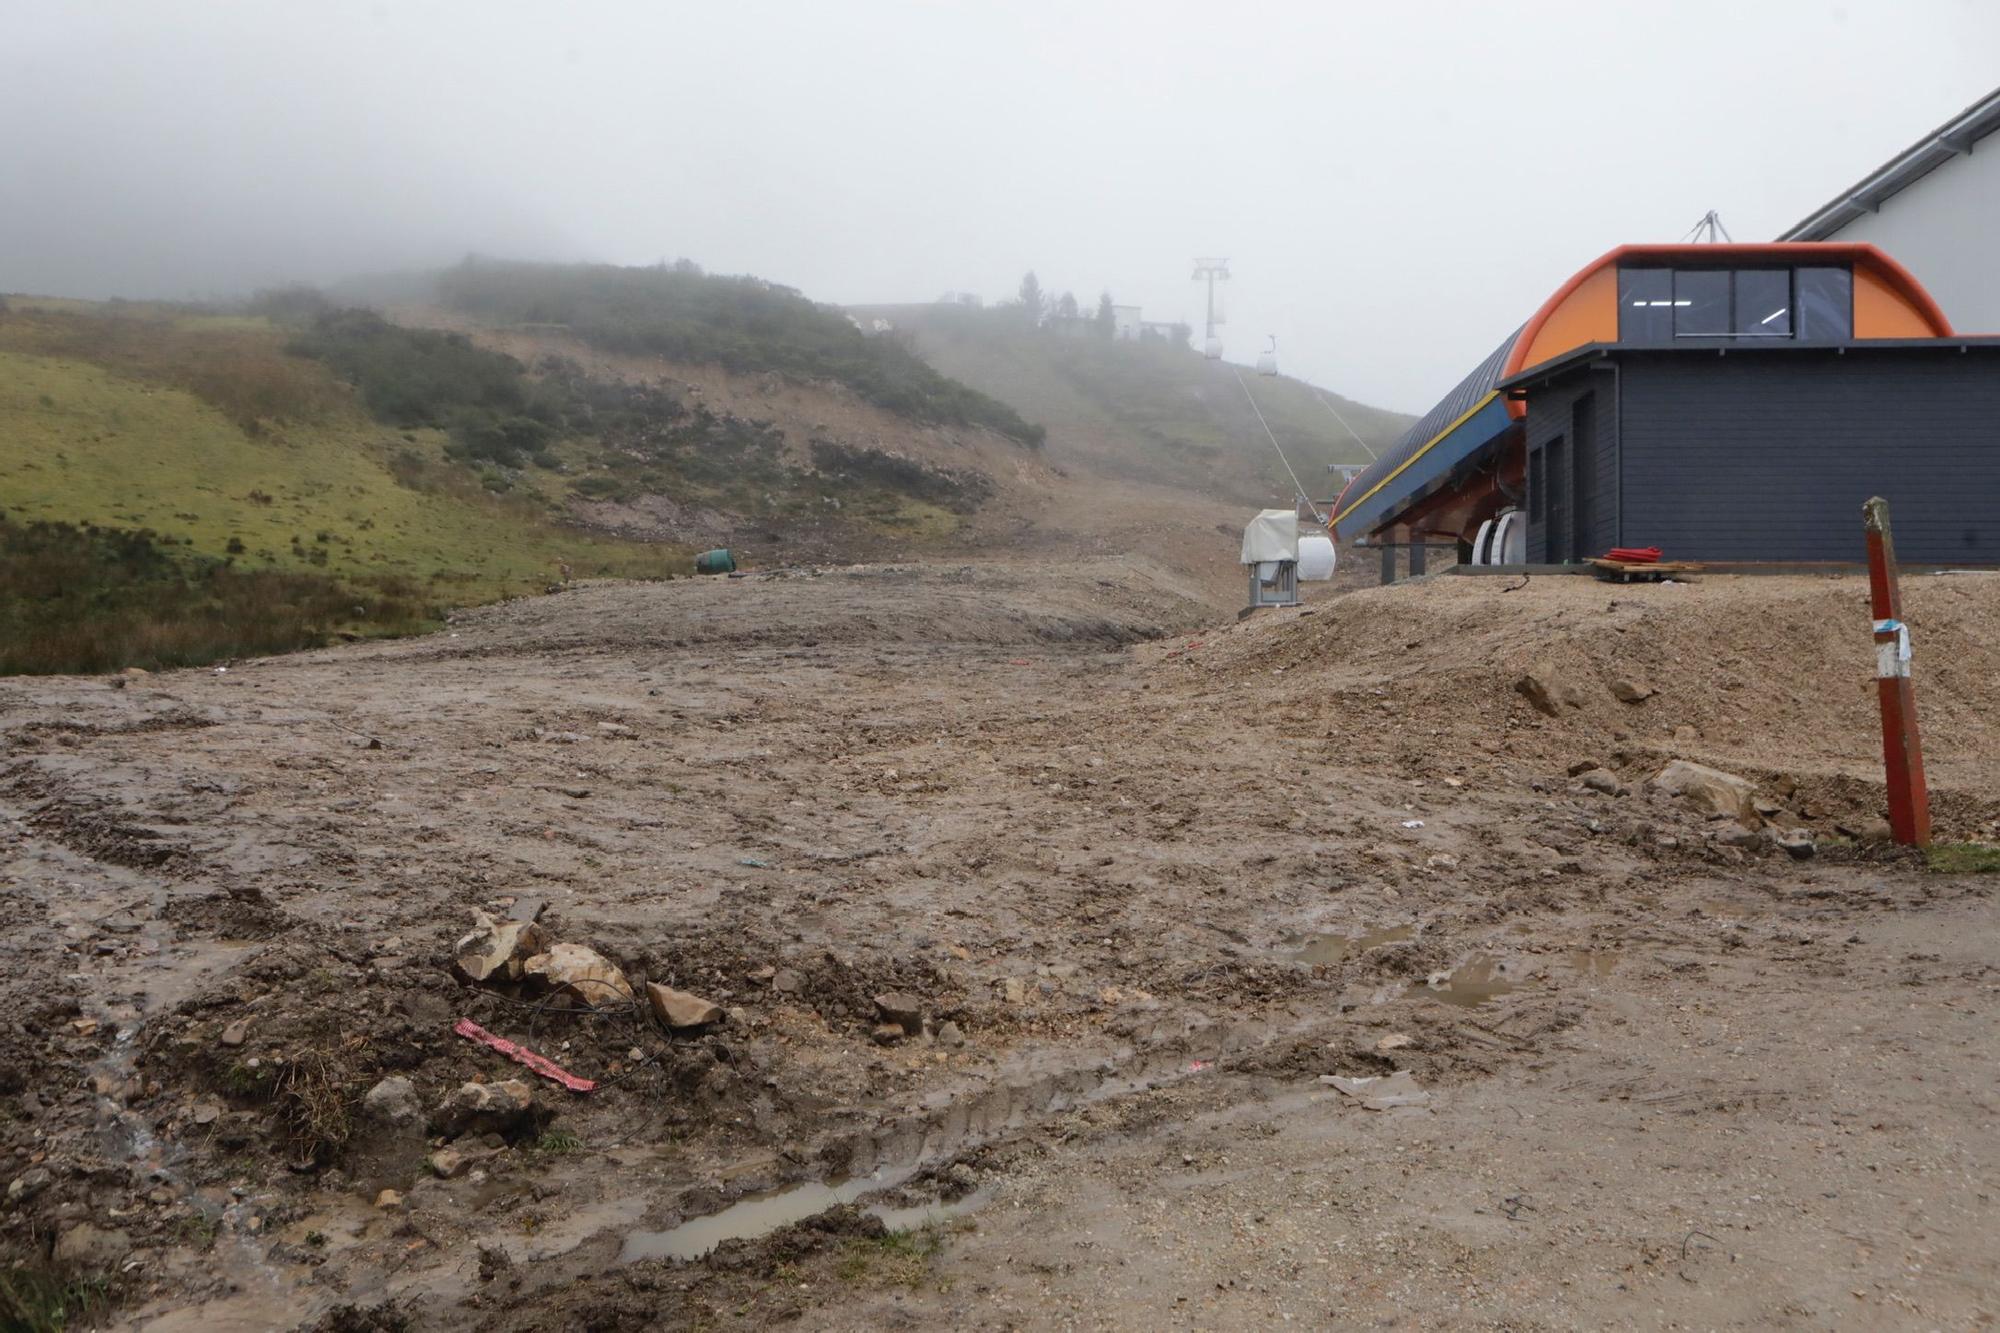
[(1474, 982), (1593, 962), (762, 1214), (1325, 950)]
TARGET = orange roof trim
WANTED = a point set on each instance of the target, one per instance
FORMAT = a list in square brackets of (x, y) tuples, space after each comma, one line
[(1866, 259)]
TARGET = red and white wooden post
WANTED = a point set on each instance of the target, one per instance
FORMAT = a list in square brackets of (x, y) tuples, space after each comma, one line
[(1902, 749)]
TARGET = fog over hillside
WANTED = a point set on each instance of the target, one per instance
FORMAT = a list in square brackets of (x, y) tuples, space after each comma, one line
[(1355, 162)]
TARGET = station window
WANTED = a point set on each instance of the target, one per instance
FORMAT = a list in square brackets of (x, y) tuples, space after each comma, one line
[(1660, 305), (1763, 303), (1825, 304)]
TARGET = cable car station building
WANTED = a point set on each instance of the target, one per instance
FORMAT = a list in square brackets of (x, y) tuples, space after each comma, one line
[(1725, 403)]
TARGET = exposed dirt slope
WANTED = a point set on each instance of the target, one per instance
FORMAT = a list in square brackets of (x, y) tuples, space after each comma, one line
[(1143, 896), (1767, 675)]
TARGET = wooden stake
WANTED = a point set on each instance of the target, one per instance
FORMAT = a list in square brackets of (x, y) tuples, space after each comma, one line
[(1902, 748)]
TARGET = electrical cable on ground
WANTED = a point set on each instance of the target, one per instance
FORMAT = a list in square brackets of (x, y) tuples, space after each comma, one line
[(1317, 516)]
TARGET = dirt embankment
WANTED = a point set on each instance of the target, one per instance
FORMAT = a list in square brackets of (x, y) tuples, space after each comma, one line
[(1772, 677), (1139, 878)]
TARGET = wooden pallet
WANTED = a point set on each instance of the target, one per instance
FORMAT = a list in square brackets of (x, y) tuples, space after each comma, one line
[(1618, 571)]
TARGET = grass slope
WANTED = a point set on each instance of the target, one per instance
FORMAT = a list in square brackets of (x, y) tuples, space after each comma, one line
[(1151, 411), (81, 444), (740, 323), (205, 494)]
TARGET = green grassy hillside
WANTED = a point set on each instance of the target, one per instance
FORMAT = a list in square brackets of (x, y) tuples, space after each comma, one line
[(1152, 411), (205, 434)]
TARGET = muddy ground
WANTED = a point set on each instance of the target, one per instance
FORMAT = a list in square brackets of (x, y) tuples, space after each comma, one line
[(1149, 874)]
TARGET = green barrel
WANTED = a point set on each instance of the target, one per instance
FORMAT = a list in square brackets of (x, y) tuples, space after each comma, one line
[(718, 561)]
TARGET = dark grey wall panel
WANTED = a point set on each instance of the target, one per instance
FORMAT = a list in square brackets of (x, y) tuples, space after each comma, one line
[(1578, 411), (1767, 456)]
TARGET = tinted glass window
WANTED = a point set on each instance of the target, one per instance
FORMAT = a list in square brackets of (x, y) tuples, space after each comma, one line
[(1701, 303), (1826, 304), (1764, 303), (1645, 305)]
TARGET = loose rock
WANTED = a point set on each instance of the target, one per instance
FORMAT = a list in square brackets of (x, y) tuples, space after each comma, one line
[(496, 949), (950, 1034), (904, 1010), (236, 1033), (1537, 692), (1631, 691), (92, 1248), (1710, 790), (506, 1108), (678, 1009), (1796, 843), (393, 1101), (581, 973), (1604, 780)]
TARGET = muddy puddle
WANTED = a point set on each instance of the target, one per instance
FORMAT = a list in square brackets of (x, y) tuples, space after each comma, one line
[(761, 1214), (1483, 978), (1326, 950), (897, 1155)]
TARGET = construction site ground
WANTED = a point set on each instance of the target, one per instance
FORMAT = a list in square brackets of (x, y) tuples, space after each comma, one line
[(1149, 873)]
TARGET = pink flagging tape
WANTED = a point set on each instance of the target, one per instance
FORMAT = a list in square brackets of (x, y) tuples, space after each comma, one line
[(541, 1064)]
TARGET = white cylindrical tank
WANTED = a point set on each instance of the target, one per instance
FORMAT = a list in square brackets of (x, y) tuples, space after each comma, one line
[(1316, 559)]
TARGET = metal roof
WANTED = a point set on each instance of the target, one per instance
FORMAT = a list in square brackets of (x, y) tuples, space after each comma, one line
[(1867, 195), (1434, 425)]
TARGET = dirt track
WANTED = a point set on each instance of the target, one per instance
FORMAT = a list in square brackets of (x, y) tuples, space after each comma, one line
[(1117, 841)]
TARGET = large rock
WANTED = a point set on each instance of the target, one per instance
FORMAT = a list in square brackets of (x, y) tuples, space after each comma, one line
[(506, 1108), (1710, 790), (496, 950), (678, 1009), (582, 974)]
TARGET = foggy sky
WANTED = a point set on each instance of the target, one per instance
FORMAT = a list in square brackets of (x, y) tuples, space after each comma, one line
[(1396, 185)]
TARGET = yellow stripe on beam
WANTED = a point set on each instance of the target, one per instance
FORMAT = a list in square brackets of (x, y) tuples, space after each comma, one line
[(1361, 500)]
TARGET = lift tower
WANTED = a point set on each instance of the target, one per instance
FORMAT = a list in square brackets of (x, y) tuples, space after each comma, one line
[(1211, 269)]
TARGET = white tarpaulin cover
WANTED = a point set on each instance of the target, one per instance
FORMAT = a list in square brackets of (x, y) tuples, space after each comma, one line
[(1272, 535)]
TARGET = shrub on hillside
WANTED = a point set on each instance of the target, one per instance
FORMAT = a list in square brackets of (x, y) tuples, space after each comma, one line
[(743, 324), (97, 599)]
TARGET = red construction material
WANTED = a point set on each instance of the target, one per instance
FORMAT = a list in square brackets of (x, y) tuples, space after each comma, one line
[(1634, 555), (1902, 748), (542, 1065)]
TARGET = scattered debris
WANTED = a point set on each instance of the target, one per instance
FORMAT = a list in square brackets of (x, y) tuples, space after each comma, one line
[(1380, 1092), (679, 1010), (542, 1065), (1413, 823)]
